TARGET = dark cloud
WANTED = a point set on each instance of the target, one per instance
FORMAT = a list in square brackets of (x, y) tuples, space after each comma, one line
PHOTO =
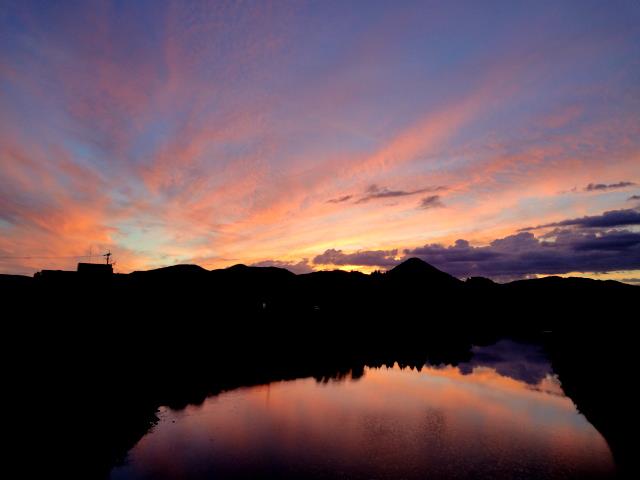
[(634, 197), (516, 256), (587, 245), (432, 201), (632, 281), (296, 267), (374, 192), (615, 240), (600, 187), (369, 258), (344, 198), (522, 254), (612, 218)]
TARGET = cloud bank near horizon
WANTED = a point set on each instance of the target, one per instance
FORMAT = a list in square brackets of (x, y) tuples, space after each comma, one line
[(587, 246)]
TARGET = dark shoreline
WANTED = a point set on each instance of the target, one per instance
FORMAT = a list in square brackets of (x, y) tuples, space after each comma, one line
[(120, 398), (111, 350)]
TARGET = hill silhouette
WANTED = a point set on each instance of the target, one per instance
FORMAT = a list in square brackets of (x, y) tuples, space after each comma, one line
[(413, 288), (415, 270), (411, 270), (113, 348), (184, 269)]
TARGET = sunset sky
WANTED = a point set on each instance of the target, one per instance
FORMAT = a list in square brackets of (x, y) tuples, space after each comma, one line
[(488, 138)]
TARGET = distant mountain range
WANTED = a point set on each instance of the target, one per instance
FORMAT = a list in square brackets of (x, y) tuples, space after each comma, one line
[(412, 271), (109, 348), (413, 288)]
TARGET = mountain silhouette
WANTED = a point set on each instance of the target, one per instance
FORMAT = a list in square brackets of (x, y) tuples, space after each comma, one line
[(413, 288), (114, 348), (184, 269), (411, 274), (419, 272), (264, 272)]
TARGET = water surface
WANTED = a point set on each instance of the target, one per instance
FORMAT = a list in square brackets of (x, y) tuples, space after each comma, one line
[(503, 414)]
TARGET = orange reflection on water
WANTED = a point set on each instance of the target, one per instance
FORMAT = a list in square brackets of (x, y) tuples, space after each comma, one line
[(391, 423)]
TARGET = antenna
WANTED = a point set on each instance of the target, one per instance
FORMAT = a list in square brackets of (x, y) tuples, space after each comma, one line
[(108, 257)]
